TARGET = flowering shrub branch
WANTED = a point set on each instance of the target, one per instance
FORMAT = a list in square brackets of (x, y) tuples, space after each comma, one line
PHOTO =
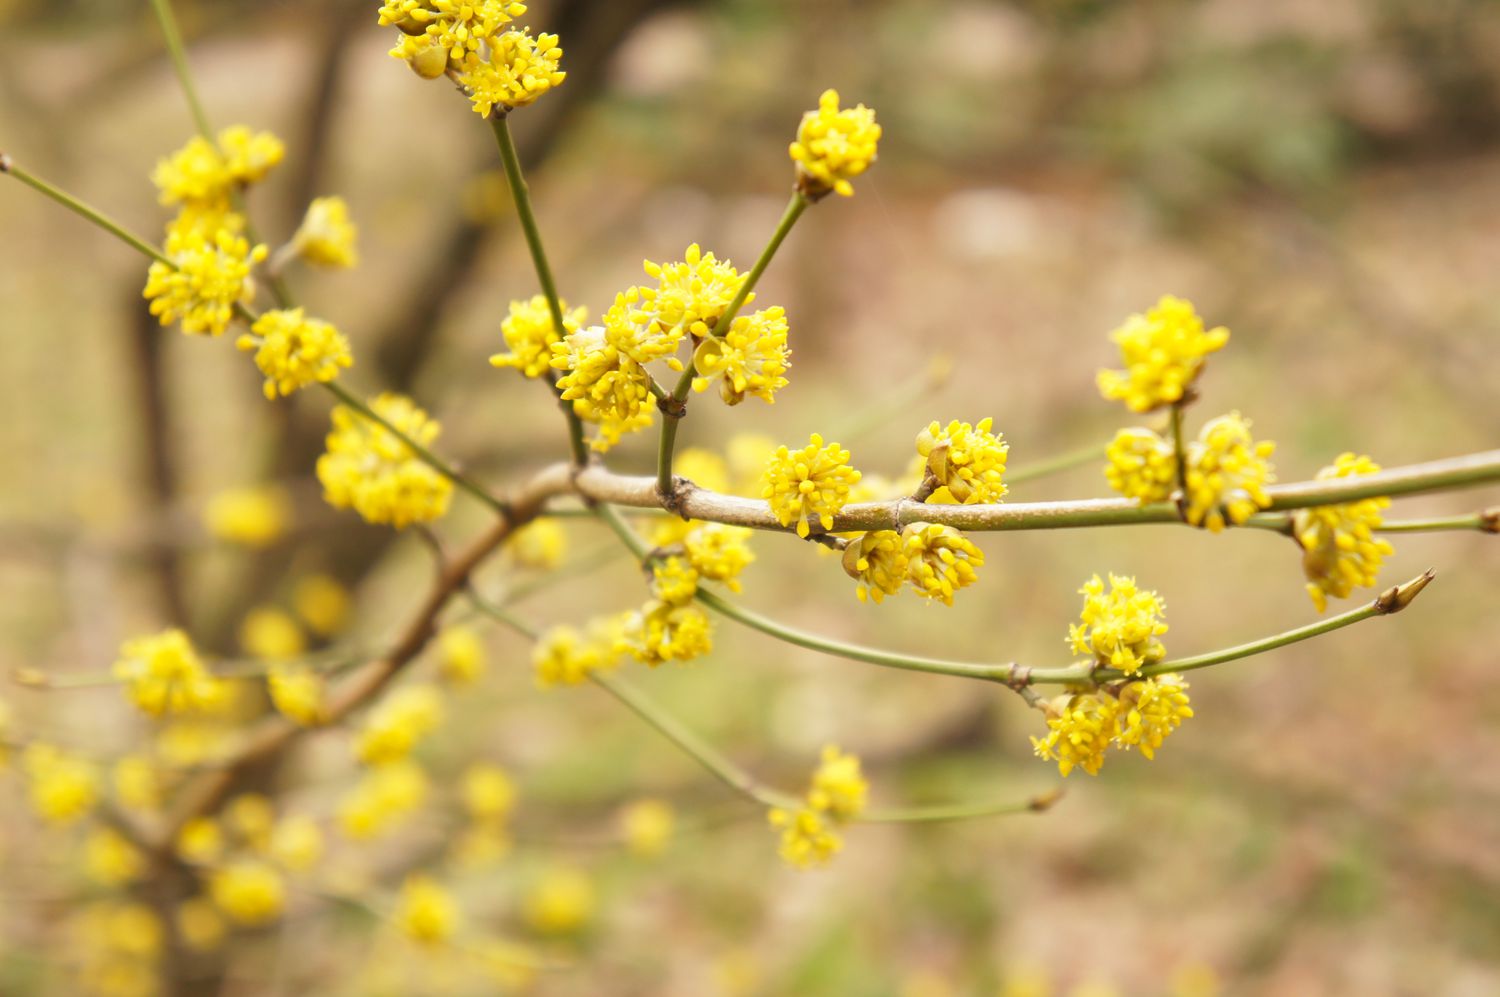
[(235, 853)]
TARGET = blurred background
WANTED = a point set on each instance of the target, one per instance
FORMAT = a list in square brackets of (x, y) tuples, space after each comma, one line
[(1323, 178)]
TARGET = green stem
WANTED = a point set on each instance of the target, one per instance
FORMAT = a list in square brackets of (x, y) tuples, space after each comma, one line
[(1483, 521), (423, 454), (521, 194), (672, 413), (960, 811), (1056, 465), (178, 52), (84, 210), (1179, 450), (500, 614), (855, 652), (725, 770)]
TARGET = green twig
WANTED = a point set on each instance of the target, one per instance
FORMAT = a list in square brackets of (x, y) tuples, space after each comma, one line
[(178, 52), (84, 210)]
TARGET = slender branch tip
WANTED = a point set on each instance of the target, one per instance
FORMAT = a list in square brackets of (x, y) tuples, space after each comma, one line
[(1398, 597)]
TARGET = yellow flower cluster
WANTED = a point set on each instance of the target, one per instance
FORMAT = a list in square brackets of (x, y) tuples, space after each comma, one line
[(809, 835), (249, 891), (530, 333), (371, 470), (1141, 465), (750, 359), (204, 175), (937, 560), (163, 674), (456, 29), (1119, 627), (1227, 472), (109, 858), (559, 901), (540, 544), (269, 633), (968, 462), (426, 912), (718, 552), (1340, 550), (665, 630), (326, 237), (1081, 727), (460, 656), (293, 351), (519, 69), (564, 656), (398, 723), (252, 517), (690, 298), (61, 787), (808, 484), (208, 276), (605, 384), (648, 827), (298, 693), (322, 603), (488, 795), (834, 146), (117, 945), (382, 798), (1163, 351)]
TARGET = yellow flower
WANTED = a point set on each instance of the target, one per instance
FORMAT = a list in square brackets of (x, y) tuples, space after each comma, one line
[(110, 859), (745, 457), (838, 788), (811, 483), (326, 237), (398, 723), (969, 461), (689, 298), (253, 517), (381, 798), (488, 792), (200, 841), (1141, 466), (939, 560), (460, 656), (163, 674), (1120, 627), (371, 470), (519, 70), (297, 692), (663, 632), (120, 927), (458, 27), (878, 561), (296, 843), (271, 634), (563, 656), (1151, 710), (807, 840), (1079, 731), (426, 912), (204, 173), (199, 924), (1163, 352), (559, 902), (530, 333), (138, 783), (322, 603), (719, 552), (604, 384), (248, 891), (750, 359), (1340, 550), (674, 580), (293, 352), (1226, 473), (834, 146), (541, 543), (208, 276), (648, 826), (251, 816)]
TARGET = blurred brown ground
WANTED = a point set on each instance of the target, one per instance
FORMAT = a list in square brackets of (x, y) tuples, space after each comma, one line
[(1322, 178)]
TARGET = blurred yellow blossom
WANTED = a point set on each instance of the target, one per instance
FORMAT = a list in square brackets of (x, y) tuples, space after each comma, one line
[(838, 787), (718, 552), (648, 826), (206, 172), (248, 892), (138, 783), (541, 543), (381, 799), (460, 655), (110, 859), (199, 924), (707, 469), (559, 901), (371, 470), (271, 634), (488, 792), (1227, 472), (163, 674), (322, 603), (1080, 728), (564, 656), (296, 843), (1340, 550), (1141, 465), (664, 631), (327, 237), (398, 722), (253, 517), (807, 840), (200, 841), (426, 912)]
